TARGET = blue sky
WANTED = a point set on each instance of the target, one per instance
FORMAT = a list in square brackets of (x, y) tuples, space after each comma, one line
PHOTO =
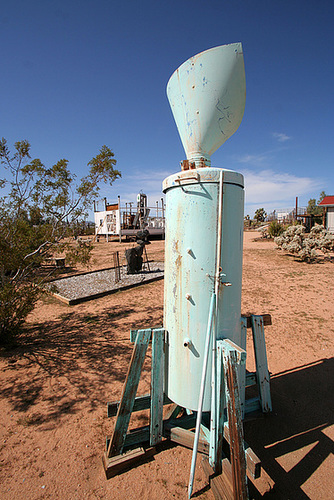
[(79, 74)]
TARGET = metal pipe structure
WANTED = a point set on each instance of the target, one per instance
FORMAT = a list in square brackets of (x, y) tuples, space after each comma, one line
[(208, 341), (213, 420)]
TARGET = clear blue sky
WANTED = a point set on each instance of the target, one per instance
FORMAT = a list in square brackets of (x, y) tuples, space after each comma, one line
[(79, 74)]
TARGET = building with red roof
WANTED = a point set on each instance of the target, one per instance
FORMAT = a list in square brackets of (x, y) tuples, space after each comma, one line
[(328, 205)]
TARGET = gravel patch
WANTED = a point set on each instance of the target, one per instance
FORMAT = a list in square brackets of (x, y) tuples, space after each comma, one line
[(88, 286)]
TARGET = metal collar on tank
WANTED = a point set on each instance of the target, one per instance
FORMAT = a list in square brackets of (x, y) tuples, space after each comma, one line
[(207, 174)]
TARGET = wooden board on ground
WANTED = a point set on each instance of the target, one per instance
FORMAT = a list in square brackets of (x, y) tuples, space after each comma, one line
[(121, 463)]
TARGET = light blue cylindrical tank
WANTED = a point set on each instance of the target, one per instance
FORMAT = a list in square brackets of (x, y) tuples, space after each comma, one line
[(195, 208)]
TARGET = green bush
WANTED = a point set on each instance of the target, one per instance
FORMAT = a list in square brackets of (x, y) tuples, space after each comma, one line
[(275, 229)]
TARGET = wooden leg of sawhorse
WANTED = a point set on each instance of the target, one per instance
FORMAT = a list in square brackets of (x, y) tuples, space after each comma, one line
[(262, 372), (242, 368), (231, 481), (237, 450), (127, 401), (129, 393), (157, 386)]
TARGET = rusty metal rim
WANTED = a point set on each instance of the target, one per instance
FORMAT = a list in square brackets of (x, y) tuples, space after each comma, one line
[(202, 175)]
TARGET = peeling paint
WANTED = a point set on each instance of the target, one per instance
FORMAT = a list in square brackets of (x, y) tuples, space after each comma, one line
[(192, 213)]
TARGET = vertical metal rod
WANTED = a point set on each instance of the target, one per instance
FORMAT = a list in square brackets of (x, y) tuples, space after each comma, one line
[(162, 208), (213, 420), (201, 395), (219, 229), (120, 219)]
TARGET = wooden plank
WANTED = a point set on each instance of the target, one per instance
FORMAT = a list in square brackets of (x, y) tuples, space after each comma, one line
[(253, 463), (250, 379), (208, 470), (205, 432), (266, 319), (252, 405), (157, 386), (221, 485), (173, 412), (261, 487), (238, 460), (220, 407), (239, 351), (186, 438), (128, 394), (186, 421), (136, 437), (254, 466), (224, 482), (133, 333), (118, 464), (140, 436), (242, 368), (141, 403), (262, 372)]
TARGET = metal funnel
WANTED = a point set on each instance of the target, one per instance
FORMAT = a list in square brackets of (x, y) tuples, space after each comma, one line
[(207, 95)]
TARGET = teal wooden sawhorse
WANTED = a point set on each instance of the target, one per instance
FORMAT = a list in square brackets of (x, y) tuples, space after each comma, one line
[(124, 448)]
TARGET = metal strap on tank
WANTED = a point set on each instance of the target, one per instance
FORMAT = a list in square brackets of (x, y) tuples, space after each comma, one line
[(195, 177)]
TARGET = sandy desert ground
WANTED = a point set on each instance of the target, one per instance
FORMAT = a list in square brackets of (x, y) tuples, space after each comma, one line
[(72, 360)]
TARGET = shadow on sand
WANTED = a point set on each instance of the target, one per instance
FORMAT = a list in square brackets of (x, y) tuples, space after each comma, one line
[(64, 363), (302, 410)]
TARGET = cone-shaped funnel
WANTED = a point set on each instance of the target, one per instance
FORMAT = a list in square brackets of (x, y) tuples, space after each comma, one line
[(207, 95)]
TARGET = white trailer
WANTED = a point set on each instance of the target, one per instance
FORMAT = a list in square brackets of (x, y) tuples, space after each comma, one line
[(119, 220)]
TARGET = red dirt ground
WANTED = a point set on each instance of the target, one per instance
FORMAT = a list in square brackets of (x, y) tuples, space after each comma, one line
[(72, 360)]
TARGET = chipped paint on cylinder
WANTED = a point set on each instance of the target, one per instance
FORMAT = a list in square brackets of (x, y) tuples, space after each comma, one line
[(192, 206)]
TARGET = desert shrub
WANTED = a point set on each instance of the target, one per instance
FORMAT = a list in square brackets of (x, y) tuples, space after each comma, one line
[(40, 208), (275, 229), (17, 301), (295, 240)]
